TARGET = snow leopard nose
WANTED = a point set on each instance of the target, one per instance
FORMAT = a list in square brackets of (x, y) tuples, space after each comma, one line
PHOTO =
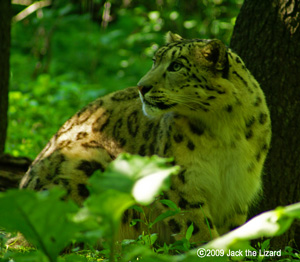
[(144, 89)]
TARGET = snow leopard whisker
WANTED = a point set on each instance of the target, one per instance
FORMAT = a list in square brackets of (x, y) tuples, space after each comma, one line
[(183, 99)]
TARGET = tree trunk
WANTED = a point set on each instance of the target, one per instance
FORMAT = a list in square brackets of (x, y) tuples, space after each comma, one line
[(267, 37), (5, 14), (12, 169)]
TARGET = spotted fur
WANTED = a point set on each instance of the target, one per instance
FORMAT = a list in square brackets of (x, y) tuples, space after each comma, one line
[(198, 104)]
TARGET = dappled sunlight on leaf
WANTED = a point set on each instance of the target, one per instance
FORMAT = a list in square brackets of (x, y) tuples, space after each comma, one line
[(148, 175), (146, 188), (33, 215), (268, 224)]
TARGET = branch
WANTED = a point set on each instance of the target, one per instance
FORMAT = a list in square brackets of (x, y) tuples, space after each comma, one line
[(21, 2), (30, 9)]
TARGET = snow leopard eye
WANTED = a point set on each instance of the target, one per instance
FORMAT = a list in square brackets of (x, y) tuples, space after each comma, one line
[(174, 67)]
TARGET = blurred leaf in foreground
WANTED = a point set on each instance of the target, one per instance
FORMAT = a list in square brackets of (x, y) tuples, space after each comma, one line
[(143, 177), (41, 217), (127, 181)]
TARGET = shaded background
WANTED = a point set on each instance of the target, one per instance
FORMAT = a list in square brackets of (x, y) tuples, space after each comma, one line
[(68, 53)]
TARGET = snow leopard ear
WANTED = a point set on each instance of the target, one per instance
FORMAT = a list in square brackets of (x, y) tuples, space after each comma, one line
[(170, 37), (215, 52)]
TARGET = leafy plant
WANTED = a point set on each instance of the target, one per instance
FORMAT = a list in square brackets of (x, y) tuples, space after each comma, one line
[(267, 224), (51, 224), (41, 217), (291, 253)]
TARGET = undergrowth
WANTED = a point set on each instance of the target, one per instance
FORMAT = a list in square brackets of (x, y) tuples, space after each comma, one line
[(62, 231)]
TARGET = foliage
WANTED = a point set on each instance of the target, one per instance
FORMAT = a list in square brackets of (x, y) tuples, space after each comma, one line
[(32, 214), (268, 224), (51, 224), (63, 57)]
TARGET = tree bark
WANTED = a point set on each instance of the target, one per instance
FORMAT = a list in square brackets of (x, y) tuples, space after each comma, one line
[(12, 169), (267, 37), (5, 22)]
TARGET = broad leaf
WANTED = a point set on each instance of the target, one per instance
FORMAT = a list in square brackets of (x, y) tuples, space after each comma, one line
[(143, 177), (73, 258), (41, 217), (34, 256), (108, 209)]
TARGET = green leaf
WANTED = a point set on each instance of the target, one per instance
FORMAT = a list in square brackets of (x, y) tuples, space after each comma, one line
[(170, 204), (189, 232), (143, 177), (73, 258), (133, 222), (100, 182), (108, 209), (146, 254), (153, 238), (41, 217), (265, 245), (164, 215), (286, 216), (34, 256), (137, 208), (147, 240), (292, 211)]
